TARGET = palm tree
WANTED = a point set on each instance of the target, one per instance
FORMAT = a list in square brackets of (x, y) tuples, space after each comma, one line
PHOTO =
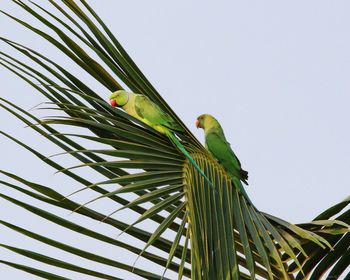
[(175, 220)]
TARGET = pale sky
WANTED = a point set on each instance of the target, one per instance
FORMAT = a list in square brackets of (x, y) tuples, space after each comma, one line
[(274, 73)]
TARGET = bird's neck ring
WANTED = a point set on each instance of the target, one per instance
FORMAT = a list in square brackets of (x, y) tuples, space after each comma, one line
[(127, 99)]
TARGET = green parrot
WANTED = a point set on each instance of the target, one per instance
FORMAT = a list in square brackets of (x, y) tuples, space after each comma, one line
[(142, 108), (217, 145)]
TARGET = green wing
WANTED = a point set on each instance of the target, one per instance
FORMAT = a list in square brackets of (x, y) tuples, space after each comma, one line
[(222, 151), (150, 111)]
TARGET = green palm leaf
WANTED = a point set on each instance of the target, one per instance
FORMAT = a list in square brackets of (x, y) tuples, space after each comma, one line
[(201, 233)]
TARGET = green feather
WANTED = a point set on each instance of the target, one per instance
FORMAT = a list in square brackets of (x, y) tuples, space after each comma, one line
[(177, 143), (241, 189), (150, 111), (221, 150), (217, 145)]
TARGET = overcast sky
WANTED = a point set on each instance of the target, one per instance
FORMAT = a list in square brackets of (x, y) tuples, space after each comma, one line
[(274, 73)]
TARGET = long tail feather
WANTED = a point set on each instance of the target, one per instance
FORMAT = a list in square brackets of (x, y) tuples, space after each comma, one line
[(238, 184), (177, 143)]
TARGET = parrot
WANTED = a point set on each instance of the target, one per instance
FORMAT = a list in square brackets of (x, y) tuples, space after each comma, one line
[(220, 149), (217, 145), (142, 108)]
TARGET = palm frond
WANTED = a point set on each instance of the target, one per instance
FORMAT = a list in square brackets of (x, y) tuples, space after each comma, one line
[(202, 234), (333, 226)]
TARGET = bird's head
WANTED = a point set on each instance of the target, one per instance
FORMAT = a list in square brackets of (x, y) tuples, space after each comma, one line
[(119, 98), (205, 121)]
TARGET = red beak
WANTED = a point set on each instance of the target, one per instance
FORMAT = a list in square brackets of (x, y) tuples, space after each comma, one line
[(113, 102), (198, 125)]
